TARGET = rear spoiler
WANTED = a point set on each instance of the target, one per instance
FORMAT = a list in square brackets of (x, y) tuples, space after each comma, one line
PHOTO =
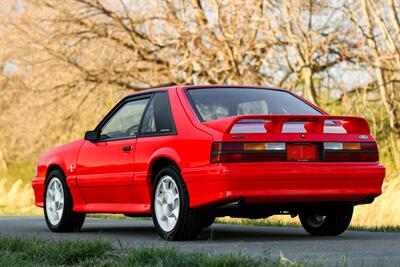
[(313, 123)]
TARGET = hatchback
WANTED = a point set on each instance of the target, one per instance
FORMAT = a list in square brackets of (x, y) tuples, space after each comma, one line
[(188, 154)]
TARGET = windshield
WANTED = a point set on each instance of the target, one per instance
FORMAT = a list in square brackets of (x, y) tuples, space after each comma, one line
[(217, 103)]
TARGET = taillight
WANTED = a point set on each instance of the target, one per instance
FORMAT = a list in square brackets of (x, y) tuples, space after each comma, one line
[(248, 152), (337, 151), (281, 151)]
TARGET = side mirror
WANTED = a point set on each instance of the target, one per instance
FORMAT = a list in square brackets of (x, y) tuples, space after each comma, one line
[(92, 136)]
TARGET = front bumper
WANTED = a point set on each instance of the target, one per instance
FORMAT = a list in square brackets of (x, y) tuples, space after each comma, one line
[(280, 182), (38, 184)]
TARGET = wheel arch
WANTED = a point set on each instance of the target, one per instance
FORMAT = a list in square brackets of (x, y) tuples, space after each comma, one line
[(161, 158), (53, 167), (158, 164)]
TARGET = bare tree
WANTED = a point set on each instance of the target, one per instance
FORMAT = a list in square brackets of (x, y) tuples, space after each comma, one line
[(312, 38), (65, 63), (378, 23)]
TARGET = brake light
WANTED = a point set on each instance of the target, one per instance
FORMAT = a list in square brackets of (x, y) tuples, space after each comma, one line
[(280, 151), (336, 151), (248, 152)]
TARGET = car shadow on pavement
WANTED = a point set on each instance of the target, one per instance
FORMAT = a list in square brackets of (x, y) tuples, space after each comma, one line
[(219, 233)]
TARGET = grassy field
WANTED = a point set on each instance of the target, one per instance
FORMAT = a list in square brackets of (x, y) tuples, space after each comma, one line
[(38, 252)]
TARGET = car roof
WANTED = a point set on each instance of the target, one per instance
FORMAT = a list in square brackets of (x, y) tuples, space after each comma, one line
[(205, 86)]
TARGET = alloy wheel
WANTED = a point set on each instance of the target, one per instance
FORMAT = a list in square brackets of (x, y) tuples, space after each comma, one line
[(54, 201), (167, 203)]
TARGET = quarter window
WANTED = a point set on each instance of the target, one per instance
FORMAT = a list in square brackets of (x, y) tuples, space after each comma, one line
[(125, 122), (158, 117)]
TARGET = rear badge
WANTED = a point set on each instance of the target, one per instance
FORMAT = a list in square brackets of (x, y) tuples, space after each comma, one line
[(363, 137), (302, 135)]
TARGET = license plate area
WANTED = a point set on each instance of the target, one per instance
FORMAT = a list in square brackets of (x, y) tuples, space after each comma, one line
[(302, 152)]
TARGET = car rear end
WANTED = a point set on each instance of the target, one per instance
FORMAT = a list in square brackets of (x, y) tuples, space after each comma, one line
[(271, 147)]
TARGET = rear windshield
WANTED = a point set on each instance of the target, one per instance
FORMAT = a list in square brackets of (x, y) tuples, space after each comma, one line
[(216, 103)]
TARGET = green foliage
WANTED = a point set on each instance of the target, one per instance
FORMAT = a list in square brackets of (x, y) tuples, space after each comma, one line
[(170, 257), (38, 252)]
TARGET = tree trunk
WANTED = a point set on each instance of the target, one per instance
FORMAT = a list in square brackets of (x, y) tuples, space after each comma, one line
[(309, 90)]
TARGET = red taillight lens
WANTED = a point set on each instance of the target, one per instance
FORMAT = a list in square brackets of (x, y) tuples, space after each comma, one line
[(248, 152), (239, 157), (279, 151), (351, 152)]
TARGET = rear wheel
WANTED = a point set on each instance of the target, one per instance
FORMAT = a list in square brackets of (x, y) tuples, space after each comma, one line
[(207, 220), (330, 223), (172, 216), (58, 205)]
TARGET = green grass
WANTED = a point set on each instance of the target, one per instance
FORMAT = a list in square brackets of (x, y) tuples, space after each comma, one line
[(382, 228), (260, 222), (39, 252), (170, 257)]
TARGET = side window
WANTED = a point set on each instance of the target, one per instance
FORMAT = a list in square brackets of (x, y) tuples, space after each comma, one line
[(125, 122), (158, 118)]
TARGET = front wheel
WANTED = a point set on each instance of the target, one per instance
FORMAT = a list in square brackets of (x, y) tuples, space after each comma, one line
[(330, 223), (58, 205), (172, 216)]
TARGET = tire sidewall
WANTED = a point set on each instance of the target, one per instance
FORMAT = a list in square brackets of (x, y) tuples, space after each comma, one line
[(183, 199), (336, 222)]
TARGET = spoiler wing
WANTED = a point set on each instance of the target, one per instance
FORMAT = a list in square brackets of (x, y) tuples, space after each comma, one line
[(313, 123)]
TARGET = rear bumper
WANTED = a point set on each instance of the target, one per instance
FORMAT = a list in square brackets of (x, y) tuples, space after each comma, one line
[(280, 182)]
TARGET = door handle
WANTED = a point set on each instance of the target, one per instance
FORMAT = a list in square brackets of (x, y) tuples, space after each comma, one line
[(127, 148)]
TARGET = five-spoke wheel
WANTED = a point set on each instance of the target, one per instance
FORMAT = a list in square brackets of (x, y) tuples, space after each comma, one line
[(167, 203), (58, 205), (172, 215), (54, 200)]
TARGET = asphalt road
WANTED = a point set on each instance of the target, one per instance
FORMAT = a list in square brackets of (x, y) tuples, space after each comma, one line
[(351, 248)]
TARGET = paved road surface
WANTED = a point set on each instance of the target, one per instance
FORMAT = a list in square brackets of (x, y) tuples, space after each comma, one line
[(351, 248)]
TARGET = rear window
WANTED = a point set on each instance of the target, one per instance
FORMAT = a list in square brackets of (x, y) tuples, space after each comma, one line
[(218, 103)]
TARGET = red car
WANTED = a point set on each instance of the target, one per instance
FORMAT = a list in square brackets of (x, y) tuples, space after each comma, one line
[(186, 155)]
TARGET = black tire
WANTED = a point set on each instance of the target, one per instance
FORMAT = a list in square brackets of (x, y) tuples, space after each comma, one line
[(207, 220), (335, 222), (188, 224), (70, 221)]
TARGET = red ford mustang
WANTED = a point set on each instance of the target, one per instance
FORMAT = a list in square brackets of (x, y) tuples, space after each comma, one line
[(186, 155)]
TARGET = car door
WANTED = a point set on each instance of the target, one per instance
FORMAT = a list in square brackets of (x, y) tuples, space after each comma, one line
[(105, 168)]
